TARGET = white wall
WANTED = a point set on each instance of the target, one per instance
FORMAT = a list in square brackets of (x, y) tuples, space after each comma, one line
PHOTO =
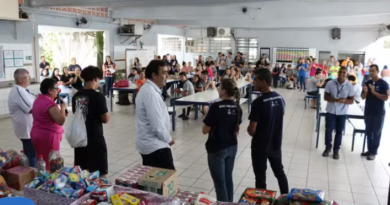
[(320, 39)]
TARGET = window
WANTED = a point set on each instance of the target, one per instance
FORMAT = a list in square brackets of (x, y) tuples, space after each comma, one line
[(172, 45), (198, 45), (223, 45), (249, 47)]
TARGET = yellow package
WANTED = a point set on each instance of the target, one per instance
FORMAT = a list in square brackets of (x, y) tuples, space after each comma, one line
[(115, 200), (130, 200), (73, 177)]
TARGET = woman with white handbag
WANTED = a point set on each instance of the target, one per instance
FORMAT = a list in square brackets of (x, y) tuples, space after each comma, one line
[(90, 106)]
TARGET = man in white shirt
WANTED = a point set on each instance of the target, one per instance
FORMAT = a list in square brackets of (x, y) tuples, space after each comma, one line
[(20, 102), (152, 125)]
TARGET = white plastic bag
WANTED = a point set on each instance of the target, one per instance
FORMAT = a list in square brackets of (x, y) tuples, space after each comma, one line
[(77, 132)]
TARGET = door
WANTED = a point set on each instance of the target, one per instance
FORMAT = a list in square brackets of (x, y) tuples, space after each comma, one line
[(323, 56)]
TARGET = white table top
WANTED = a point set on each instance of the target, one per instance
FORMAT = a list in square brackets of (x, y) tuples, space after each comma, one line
[(353, 110), (132, 87), (209, 95)]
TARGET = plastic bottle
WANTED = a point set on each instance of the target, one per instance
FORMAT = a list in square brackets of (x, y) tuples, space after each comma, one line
[(23, 160), (41, 166)]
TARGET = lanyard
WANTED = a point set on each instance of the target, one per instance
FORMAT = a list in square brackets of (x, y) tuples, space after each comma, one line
[(339, 90)]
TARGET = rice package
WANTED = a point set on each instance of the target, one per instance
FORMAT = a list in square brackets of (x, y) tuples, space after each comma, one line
[(306, 195), (204, 199), (257, 196)]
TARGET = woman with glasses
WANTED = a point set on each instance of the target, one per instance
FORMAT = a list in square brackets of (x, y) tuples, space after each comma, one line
[(46, 132)]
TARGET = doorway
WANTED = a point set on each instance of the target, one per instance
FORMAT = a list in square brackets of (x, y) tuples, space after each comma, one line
[(323, 56)]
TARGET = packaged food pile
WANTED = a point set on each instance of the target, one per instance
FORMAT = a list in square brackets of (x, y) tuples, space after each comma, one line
[(130, 178), (187, 196), (8, 159), (4, 190), (303, 197), (68, 182), (258, 196), (56, 162)]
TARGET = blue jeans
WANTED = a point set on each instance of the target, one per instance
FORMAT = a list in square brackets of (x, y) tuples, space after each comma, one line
[(109, 83), (302, 81), (374, 125), (334, 122), (29, 151), (221, 166)]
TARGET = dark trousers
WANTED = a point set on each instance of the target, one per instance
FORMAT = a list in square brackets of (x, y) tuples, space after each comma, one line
[(29, 151), (275, 80), (302, 80), (221, 166), (334, 122), (161, 158), (188, 111), (259, 162), (109, 83), (374, 125)]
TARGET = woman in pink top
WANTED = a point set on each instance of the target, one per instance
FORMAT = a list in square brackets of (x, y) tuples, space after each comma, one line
[(199, 69), (313, 67), (46, 132), (208, 64), (185, 68)]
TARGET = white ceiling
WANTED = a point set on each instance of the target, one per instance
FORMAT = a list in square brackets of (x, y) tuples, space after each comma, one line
[(263, 14)]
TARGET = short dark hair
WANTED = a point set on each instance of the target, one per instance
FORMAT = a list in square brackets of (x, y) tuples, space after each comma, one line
[(90, 73), (230, 53), (183, 74), (375, 66), (241, 63), (205, 72), (135, 69), (264, 74), (153, 67), (343, 67), (47, 84), (351, 78), (249, 63), (289, 65), (318, 72)]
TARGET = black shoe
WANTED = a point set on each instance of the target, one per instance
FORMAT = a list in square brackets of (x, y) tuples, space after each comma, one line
[(180, 116), (371, 157), (185, 118), (326, 153), (365, 154), (336, 155)]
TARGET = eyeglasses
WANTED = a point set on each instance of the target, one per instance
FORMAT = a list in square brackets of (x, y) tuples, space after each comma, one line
[(56, 89)]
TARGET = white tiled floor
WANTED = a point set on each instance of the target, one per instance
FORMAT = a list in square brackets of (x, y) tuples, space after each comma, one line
[(350, 180)]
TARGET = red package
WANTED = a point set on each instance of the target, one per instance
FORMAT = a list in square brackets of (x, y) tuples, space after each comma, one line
[(99, 196), (89, 202)]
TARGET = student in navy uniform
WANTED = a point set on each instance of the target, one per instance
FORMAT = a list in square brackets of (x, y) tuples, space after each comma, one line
[(340, 94), (375, 93), (222, 123), (266, 128)]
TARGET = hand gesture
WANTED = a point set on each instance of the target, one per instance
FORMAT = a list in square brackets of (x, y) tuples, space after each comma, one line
[(365, 89), (63, 105), (342, 100), (172, 143), (372, 88)]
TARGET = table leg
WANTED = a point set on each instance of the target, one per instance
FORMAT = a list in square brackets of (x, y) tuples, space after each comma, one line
[(353, 140), (318, 133), (250, 98), (173, 117), (111, 98), (134, 96), (196, 111), (364, 144)]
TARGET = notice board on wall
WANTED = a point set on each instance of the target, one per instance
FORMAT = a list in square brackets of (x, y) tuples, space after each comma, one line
[(144, 56)]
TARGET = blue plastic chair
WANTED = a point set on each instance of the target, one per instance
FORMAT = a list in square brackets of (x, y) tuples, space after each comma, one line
[(16, 201)]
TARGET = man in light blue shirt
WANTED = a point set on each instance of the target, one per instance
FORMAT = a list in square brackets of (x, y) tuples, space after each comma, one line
[(339, 93)]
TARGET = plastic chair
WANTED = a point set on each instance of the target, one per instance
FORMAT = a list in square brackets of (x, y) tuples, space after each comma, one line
[(308, 97)]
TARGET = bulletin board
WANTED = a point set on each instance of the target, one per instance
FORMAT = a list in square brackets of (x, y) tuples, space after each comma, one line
[(144, 56), (291, 55), (13, 58)]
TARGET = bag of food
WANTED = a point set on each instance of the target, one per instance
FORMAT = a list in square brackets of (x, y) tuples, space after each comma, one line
[(56, 162), (306, 195), (76, 134)]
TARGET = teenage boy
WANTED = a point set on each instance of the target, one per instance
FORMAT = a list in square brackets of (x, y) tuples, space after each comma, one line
[(357, 89), (222, 65), (340, 94), (291, 75), (185, 88), (313, 86), (266, 128), (375, 93)]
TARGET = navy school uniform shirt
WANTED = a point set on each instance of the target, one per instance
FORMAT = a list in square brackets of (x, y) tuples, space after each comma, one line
[(268, 111), (222, 118), (375, 106)]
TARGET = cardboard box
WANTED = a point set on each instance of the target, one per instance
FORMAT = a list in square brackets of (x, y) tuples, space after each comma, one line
[(160, 181), (19, 176)]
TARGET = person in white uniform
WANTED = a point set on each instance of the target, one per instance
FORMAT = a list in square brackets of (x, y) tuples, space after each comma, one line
[(20, 103), (152, 125)]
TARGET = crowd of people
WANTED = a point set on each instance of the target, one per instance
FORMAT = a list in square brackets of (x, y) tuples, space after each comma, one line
[(32, 114)]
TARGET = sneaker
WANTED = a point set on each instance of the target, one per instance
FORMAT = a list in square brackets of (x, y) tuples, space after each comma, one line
[(326, 153), (180, 116), (365, 154), (185, 118), (336, 155), (371, 156)]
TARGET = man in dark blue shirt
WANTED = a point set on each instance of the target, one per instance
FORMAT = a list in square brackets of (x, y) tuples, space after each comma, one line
[(375, 93), (266, 128)]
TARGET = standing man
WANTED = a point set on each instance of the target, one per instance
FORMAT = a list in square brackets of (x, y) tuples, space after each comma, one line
[(266, 128), (347, 63), (229, 59), (152, 125), (375, 93), (72, 67), (20, 102), (340, 94), (331, 62), (222, 66), (43, 64)]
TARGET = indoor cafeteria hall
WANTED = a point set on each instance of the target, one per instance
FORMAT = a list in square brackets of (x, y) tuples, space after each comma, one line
[(207, 102)]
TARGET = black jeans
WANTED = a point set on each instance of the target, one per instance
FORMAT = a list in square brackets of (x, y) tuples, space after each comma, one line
[(109, 83), (161, 158), (334, 122), (275, 80), (374, 125), (259, 162), (29, 151)]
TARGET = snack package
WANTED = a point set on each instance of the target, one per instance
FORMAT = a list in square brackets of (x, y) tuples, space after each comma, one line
[(282, 200), (67, 191), (76, 169), (204, 199), (84, 174), (56, 162), (4, 191), (77, 194), (60, 182), (325, 202), (94, 175), (91, 188), (73, 178), (259, 194), (115, 200), (89, 202), (130, 200), (32, 185), (306, 195)]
